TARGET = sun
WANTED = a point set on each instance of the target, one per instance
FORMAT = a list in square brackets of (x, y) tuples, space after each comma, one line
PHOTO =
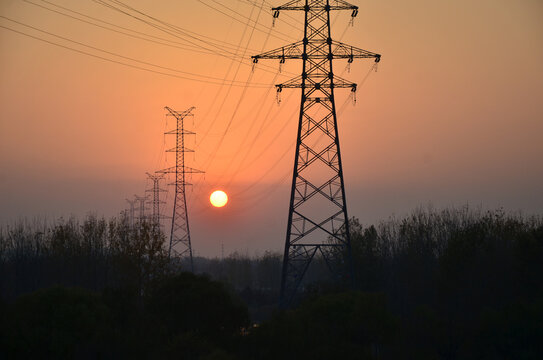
[(218, 198)]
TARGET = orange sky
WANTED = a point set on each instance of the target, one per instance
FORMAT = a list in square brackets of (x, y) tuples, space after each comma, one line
[(453, 116)]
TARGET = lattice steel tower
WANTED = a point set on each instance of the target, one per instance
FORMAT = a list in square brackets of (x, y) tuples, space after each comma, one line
[(180, 245), (156, 202), (317, 219), (131, 212), (141, 207)]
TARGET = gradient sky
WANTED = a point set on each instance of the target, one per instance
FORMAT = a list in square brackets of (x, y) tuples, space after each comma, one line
[(453, 116)]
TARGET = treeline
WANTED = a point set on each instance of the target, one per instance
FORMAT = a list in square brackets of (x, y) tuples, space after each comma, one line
[(97, 253), (180, 316), (451, 284), (94, 254)]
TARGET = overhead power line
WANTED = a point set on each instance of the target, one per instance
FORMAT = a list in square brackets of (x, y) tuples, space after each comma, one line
[(203, 78), (127, 32), (236, 15), (186, 35), (190, 37)]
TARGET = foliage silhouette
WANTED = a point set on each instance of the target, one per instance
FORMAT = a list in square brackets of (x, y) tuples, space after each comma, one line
[(58, 323), (351, 325), (194, 314), (450, 284)]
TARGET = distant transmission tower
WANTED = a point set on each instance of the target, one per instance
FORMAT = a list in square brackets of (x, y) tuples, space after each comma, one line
[(131, 212), (317, 219), (156, 202), (141, 208), (180, 245)]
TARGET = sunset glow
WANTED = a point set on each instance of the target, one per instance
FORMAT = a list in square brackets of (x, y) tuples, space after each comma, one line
[(218, 198), (82, 116)]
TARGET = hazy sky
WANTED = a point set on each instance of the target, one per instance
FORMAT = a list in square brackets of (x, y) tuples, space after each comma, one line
[(453, 116)]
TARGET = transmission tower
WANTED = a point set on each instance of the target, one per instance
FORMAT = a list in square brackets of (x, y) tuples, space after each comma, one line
[(156, 202), (141, 208), (317, 219), (180, 245), (131, 212)]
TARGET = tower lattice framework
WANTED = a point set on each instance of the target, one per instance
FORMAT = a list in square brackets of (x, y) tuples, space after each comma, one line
[(141, 207), (180, 244), (155, 201), (131, 211), (317, 219)]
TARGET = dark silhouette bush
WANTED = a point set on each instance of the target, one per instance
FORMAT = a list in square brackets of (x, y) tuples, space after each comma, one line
[(351, 325), (60, 323), (195, 315)]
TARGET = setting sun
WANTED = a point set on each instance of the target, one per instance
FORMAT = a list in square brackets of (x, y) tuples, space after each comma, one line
[(218, 198)]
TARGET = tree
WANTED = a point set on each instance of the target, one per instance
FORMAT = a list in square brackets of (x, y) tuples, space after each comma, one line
[(137, 253)]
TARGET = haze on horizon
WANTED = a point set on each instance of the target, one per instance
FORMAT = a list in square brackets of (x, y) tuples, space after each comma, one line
[(453, 116)]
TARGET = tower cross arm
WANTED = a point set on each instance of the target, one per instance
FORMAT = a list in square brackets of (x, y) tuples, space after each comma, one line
[(337, 5), (180, 114), (291, 51), (155, 176), (176, 132), (296, 82), (181, 149), (172, 170), (159, 190), (344, 51), (339, 51)]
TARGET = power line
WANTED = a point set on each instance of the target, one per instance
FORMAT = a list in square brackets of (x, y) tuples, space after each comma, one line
[(237, 14), (285, 15), (274, 138), (207, 132), (178, 30), (211, 158), (231, 82), (264, 194), (168, 28), (140, 35), (115, 54)]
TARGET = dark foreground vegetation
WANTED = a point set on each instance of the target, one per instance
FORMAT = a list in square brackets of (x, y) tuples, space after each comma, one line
[(453, 284)]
